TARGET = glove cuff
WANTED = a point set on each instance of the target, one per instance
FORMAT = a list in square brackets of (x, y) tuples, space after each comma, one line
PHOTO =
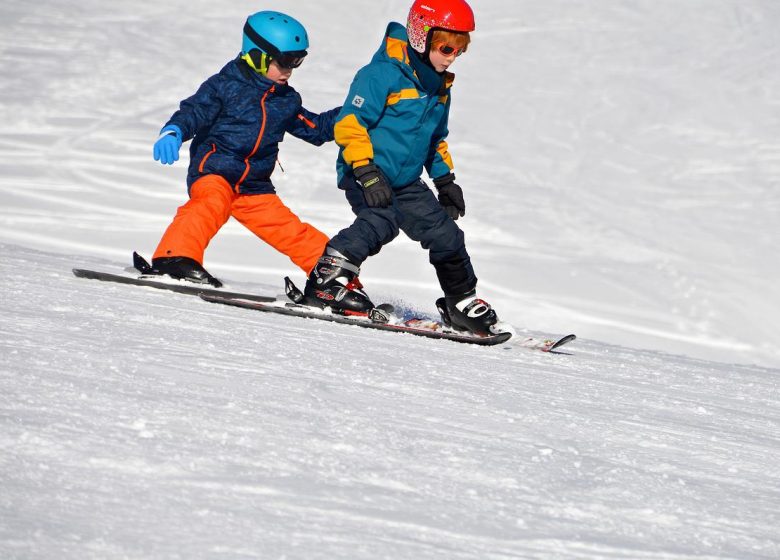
[(444, 180), (171, 129), (364, 170)]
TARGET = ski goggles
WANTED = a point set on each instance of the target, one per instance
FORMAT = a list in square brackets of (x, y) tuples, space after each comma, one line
[(448, 50), (287, 60)]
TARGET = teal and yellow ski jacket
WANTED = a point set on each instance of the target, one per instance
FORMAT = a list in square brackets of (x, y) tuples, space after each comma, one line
[(396, 115)]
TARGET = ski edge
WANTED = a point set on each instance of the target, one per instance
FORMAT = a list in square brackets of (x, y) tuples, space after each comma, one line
[(178, 288), (304, 312)]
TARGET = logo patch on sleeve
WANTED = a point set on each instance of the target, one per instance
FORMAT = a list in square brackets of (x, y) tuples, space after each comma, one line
[(358, 101)]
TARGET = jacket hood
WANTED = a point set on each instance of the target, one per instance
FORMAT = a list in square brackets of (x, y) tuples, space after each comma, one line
[(395, 49)]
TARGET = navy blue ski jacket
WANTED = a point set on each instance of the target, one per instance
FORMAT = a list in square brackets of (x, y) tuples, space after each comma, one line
[(236, 120)]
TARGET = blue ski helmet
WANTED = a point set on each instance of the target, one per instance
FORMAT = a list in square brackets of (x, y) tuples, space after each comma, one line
[(277, 35)]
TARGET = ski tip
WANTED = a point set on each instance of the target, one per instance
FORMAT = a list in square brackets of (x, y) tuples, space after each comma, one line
[(564, 340)]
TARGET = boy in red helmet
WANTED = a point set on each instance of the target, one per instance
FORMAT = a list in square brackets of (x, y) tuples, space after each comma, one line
[(394, 124)]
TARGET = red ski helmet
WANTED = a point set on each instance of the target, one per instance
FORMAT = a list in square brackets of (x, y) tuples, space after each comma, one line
[(427, 15)]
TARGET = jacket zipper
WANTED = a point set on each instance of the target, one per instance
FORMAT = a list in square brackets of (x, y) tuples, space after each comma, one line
[(206, 157), (257, 142), (307, 122)]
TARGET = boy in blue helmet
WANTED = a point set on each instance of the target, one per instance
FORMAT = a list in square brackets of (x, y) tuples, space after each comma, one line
[(236, 120), (392, 126)]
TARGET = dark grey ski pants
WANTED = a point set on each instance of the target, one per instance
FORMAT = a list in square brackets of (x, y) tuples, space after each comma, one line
[(416, 212)]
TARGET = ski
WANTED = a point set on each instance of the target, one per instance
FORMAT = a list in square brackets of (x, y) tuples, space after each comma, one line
[(373, 320), (547, 344), (381, 318), (162, 283)]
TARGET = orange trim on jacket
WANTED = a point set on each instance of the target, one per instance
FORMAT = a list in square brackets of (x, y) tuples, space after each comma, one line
[(307, 122), (257, 142), (408, 93), (206, 157), (354, 138), (444, 152)]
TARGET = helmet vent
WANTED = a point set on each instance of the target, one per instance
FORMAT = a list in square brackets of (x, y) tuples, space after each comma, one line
[(449, 15), (273, 33)]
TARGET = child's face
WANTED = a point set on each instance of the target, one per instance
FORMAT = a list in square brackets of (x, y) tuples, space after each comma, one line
[(441, 61), (278, 74)]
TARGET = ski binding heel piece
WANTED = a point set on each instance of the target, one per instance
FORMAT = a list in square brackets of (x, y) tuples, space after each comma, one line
[(292, 291), (142, 265)]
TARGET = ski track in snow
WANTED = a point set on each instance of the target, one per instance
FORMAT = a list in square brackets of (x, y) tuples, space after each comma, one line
[(138, 423)]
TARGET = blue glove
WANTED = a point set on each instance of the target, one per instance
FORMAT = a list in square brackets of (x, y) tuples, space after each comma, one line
[(166, 149)]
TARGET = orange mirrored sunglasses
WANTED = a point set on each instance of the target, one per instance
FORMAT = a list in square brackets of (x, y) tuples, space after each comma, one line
[(448, 50)]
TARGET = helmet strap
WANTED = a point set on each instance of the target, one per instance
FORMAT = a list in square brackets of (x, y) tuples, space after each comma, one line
[(428, 37), (425, 56), (257, 60)]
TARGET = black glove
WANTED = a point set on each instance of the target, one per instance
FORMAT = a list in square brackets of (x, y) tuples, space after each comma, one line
[(450, 196), (377, 192)]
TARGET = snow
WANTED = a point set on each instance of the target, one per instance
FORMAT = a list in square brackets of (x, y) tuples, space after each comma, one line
[(620, 163), (143, 424)]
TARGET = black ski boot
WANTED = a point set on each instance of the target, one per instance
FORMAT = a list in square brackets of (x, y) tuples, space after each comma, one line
[(334, 283), (183, 268), (467, 313)]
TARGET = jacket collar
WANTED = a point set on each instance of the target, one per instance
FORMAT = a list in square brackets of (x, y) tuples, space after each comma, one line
[(249, 75), (395, 48)]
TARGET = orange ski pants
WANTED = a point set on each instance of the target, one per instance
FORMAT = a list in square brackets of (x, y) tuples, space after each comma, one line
[(213, 201)]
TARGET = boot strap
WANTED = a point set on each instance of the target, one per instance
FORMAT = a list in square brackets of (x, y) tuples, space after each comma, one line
[(340, 262)]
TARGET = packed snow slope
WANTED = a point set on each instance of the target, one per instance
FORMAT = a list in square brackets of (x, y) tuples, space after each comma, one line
[(136, 423), (620, 160)]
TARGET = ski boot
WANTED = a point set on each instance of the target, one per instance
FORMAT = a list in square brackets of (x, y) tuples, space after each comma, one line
[(467, 313), (334, 283), (183, 268)]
